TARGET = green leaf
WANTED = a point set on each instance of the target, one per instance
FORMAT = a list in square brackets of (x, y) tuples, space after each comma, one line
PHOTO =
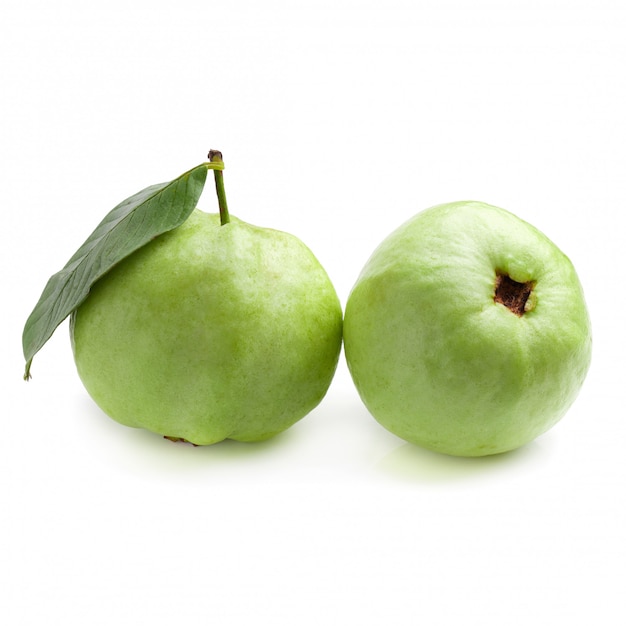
[(129, 226)]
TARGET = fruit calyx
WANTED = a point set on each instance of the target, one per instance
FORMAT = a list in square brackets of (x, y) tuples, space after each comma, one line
[(179, 440), (215, 156), (512, 294)]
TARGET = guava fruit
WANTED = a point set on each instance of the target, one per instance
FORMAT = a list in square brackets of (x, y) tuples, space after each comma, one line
[(467, 331)]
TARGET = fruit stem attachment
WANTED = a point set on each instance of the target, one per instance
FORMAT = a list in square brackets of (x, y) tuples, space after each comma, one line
[(215, 156)]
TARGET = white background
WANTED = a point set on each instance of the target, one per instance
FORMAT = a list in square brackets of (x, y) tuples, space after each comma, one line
[(338, 121)]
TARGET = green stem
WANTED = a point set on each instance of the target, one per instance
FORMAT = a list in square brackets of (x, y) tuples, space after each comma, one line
[(215, 156)]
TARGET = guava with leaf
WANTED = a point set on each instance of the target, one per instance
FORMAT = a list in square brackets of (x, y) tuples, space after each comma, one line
[(215, 329), (467, 331)]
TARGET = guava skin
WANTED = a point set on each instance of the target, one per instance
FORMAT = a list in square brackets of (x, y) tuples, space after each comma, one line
[(442, 364), (210, 332)]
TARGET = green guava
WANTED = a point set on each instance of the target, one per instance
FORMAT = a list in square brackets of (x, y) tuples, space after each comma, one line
[(467, 331), (210, 332)]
